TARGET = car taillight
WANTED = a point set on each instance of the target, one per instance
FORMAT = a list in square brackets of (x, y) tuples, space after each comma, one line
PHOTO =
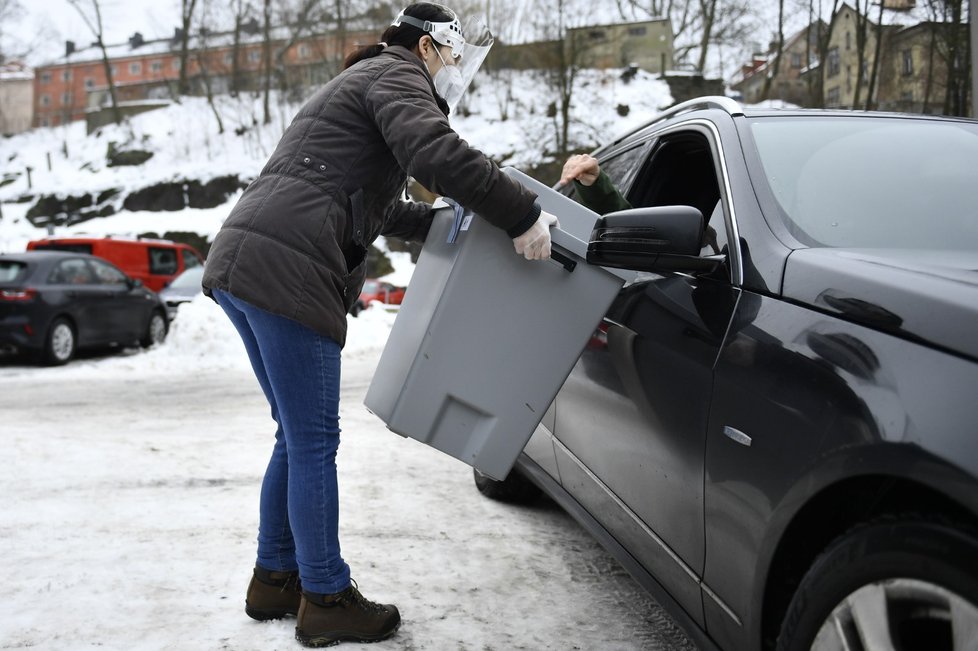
[(17, 295)]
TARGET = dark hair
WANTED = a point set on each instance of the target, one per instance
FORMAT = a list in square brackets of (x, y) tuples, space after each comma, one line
[(404, 35)]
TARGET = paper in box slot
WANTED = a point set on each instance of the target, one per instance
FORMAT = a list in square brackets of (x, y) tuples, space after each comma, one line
[(484, 338)]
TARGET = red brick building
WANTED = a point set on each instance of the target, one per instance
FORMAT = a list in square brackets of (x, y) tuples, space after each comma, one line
[(65, 89)]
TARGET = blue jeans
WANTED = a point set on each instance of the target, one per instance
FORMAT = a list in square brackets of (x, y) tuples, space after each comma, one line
[(299, 371)]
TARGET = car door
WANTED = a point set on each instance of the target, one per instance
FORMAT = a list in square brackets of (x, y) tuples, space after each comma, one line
[(632, 417), (74, 287), (125, 306)]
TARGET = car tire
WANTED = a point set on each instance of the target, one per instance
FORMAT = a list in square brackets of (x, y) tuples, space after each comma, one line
[(60, 343), (156, 330), (903, 583), (515, 489)]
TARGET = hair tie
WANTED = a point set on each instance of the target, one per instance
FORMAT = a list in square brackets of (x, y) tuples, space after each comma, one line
[(382, 44)]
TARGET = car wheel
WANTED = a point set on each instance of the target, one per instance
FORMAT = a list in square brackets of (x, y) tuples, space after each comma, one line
[(155, 330), (897, 584), (59, 345), (515, 489)]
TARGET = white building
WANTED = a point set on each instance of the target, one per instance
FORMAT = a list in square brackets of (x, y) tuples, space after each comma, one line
[(16, 98)]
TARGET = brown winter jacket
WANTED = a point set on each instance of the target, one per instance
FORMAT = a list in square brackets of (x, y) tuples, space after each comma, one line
[(295, 242)]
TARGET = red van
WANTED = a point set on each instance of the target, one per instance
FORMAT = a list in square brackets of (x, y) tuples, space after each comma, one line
[(154, 262)]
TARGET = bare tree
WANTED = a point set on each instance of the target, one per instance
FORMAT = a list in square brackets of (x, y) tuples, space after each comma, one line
[(267, 59), (10, 10), (201, 54), (91, 13), (823, 38), (186, 17), (775, 68)]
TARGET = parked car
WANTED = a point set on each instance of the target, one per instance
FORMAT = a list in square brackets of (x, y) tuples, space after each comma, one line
[(154, 262), (777, 434), (378, 290), (182, 289), (53, 303)]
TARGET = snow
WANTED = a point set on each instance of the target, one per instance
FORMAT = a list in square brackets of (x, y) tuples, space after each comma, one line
[(132, 478), (131, 512)]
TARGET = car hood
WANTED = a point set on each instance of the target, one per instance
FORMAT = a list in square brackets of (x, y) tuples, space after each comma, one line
[(930, 296), (179, 293)]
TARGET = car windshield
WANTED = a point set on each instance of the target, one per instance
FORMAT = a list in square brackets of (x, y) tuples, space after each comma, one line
[(370, 286), (873, 182), (10, 270), (189, 278)]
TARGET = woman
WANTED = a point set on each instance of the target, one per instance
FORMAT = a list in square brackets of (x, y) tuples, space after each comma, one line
[(289, 263)]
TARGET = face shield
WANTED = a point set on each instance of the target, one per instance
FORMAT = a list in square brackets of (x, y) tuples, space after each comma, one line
[(469, 48)]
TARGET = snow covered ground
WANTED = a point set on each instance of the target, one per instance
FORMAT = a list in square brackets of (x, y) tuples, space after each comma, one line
[(131, 484), (131, 480)]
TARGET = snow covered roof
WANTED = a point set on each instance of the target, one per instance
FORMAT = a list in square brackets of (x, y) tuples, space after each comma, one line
[(16, 71)]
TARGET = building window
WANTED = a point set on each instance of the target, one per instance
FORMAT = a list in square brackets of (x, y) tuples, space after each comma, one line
[(907, 97), (45, 101), (66, 99), (907, 67), (833, 58), (596, 34), (135, 68), (636, 31), (45, 77), (303, 53), (114, 70), (228, 58), (832, 97), (66, 75), (89, 83), (44, 122), (796, 59), (848, 41), (176, 64), (156, 66)]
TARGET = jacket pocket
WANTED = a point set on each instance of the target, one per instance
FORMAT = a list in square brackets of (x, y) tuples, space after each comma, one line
[(355, 252)]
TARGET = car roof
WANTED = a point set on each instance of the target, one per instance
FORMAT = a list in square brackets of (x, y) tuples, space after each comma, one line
[(718, 105), (42, 256)]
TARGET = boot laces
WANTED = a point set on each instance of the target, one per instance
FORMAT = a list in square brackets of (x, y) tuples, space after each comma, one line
[(292, 584), (354, 598)]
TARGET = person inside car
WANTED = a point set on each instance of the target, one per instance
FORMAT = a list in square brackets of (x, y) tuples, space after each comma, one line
[(289, 263)]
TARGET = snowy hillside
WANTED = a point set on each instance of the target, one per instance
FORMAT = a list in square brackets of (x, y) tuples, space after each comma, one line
[(186, 145)]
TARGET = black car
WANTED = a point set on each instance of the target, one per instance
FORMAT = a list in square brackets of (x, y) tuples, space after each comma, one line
[(777, 434), (54, 303)]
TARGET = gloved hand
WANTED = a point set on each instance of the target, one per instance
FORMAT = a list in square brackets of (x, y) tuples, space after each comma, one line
[(534, 244)]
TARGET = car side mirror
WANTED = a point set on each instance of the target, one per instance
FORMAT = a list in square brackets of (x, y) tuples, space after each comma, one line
[(656, 239), (134, 283)]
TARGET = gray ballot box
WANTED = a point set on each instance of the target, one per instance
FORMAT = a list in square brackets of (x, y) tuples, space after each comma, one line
[(484, 338)]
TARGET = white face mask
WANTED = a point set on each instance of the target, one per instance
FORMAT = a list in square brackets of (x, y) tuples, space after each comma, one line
[(448, 81)]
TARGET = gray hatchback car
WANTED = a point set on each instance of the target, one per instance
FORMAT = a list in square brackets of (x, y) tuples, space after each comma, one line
[(777, 434)]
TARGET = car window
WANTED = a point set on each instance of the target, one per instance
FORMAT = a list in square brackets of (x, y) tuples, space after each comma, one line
[(74, 271), (679, 172), (69, 248), (620, 168), (162, 261), (872, 182), (189, 278), (189, 259), (107, 274), (10, 270)]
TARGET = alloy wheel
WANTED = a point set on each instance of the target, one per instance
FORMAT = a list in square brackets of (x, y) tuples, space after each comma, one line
[(900, 614)]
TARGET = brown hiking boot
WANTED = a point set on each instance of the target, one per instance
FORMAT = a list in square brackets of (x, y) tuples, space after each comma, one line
[(346, 616), (273, 595)]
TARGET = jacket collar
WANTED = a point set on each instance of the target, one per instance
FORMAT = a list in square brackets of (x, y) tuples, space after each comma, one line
[(401, 52)]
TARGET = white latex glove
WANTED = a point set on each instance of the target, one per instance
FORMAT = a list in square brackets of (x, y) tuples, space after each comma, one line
[(534, 244)]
